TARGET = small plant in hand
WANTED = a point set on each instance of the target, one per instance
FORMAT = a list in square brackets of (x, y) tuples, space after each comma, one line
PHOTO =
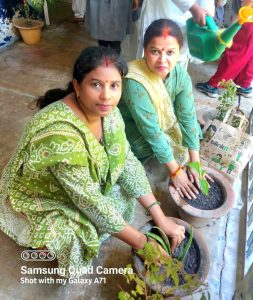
[(204, 186), (160, 269), (227, 98)]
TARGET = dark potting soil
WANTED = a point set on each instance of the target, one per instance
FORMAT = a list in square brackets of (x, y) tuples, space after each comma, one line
[(213, 200)]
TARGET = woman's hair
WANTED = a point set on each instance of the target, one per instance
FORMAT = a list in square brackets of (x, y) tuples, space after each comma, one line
[(89, 59), (159, 28)]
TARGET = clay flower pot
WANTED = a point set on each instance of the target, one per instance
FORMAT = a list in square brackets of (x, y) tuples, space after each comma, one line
[(31, 34), (202, 217), (201, 255)]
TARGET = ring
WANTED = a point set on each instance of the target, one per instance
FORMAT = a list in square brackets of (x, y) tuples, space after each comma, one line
[(178, 189)]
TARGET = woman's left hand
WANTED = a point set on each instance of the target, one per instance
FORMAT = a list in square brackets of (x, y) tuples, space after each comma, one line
[(174, 231)]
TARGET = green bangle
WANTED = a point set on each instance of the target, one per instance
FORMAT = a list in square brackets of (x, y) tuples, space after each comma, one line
[(147, 213)]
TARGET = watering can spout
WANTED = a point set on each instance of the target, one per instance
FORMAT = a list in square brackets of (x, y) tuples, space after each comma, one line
[(208, 42)]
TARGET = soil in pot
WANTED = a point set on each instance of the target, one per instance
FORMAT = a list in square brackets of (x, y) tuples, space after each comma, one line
[(213, 200)]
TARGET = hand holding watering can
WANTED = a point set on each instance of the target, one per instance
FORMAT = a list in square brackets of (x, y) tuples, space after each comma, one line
[(208, 42)]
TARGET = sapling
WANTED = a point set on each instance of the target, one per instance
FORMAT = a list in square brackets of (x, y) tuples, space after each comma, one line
[(204, 186), (156, 273), (165, 243), (227, 98)]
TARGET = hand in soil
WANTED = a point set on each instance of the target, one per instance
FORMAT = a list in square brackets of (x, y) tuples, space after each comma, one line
[(172, 230), (194, 177), (184, 186)]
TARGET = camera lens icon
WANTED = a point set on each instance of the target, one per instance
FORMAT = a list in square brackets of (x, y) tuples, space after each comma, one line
[(34, 255), (42, 255), (25, 255), (38, 255)]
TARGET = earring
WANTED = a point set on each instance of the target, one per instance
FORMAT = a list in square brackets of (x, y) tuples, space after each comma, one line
[(77, 96)]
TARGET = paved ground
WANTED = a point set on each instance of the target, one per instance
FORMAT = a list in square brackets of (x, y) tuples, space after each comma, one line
[(27, 72)]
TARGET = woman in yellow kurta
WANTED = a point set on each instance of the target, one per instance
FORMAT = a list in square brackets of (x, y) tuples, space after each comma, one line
[(73, 179)]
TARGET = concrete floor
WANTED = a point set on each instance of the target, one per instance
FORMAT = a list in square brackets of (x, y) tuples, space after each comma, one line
[(27, 72)]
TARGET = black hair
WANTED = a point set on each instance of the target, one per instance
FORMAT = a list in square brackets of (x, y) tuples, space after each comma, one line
[(89, 59), (156, 28)]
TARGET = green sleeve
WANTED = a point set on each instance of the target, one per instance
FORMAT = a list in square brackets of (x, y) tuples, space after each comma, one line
[(133, 179), (86, 195), (145, 117), (183, 101)]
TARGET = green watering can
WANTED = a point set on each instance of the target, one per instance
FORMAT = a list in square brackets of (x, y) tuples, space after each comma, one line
[(208, 42)]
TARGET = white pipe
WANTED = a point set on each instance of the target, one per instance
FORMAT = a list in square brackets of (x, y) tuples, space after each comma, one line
[(46, 13)]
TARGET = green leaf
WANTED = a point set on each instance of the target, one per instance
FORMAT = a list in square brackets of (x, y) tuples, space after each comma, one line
[(139, 290), (134, 293), (187, 247), (122, 295), (157, 296), (158, 239), (165, 238), (36, 5), (175, 278), (204, 186), (201, 172), (194, 165)]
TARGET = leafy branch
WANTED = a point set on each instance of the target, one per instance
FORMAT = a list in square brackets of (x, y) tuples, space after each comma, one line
[(169, 269), (227, 99)]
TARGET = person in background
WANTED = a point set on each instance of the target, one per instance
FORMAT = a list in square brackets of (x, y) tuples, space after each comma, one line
[(178, 11), (236, 62), (219, 12), (79, 7), (110, 21), (157, 106), (73, 179)]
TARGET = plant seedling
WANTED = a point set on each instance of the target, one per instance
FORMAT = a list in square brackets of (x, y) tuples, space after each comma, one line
[(227, 98), (204, 186), (170, 268), (165, 243)]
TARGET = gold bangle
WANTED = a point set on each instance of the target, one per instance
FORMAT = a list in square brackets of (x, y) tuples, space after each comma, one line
[(147, 213)]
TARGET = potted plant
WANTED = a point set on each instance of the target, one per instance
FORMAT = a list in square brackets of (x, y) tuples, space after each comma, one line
[(215, 199), (182, 273), (29, 28), (227, 99)]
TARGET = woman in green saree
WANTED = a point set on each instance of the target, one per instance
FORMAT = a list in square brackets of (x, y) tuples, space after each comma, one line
[(157, 106), (73, 179)]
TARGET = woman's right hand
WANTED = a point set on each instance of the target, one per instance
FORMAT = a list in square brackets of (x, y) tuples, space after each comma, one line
[(184, 186)]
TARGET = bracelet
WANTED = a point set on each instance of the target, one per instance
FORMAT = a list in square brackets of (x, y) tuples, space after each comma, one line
[(147, 213), (178, 171)]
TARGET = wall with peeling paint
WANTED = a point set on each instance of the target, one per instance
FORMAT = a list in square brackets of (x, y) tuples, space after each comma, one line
[(8, 33)]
